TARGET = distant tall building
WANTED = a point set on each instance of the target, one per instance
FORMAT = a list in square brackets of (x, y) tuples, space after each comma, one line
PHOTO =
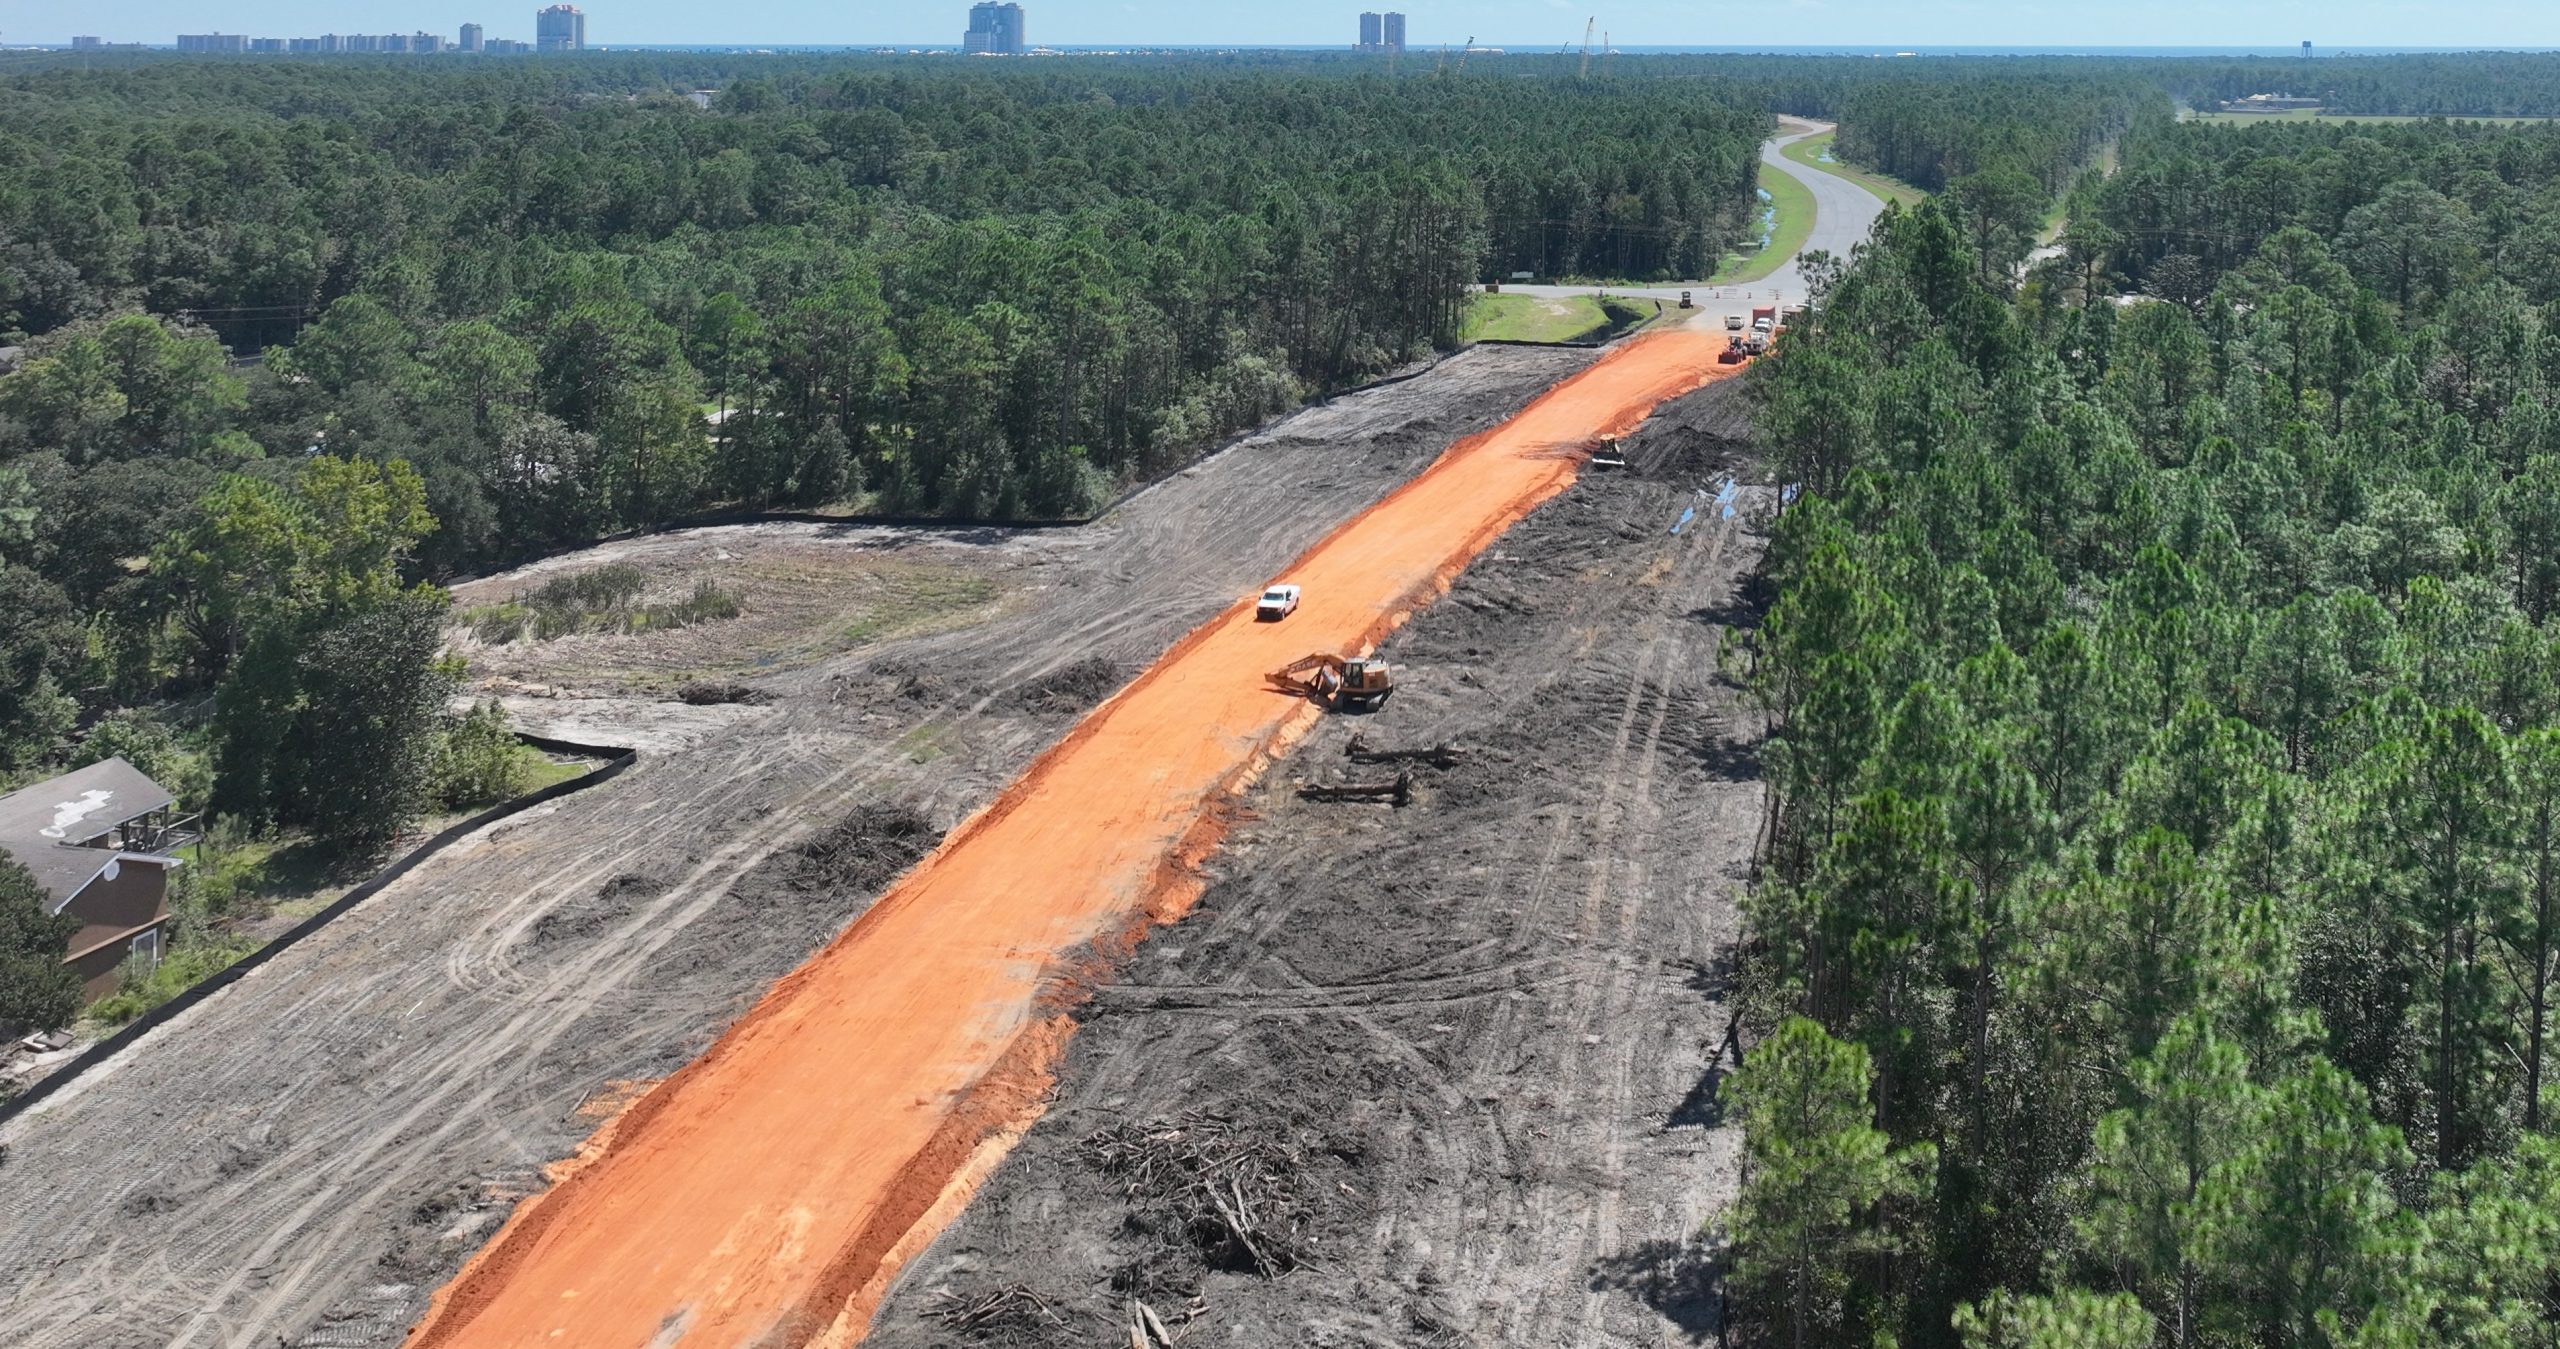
[(995, 29), (2306, 51), (561, 28), (212, 42), (470, 38), (1394, 33), (1372, 34)]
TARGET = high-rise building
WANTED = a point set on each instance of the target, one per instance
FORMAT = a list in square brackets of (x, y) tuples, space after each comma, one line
[(213, 42), (995, 30), (1371, 33), (87, 44), (1393, 33), (470, 38), (561, 28)]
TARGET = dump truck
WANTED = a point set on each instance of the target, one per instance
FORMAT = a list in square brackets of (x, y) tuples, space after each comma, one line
[(1342, 684)]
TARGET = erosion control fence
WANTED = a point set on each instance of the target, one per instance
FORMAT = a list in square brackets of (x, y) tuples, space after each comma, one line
[(616, 758)]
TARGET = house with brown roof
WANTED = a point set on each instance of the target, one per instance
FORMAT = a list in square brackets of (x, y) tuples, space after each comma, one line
[(100, 841)]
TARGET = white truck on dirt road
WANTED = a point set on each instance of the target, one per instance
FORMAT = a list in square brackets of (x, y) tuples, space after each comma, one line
[(1277, 603)]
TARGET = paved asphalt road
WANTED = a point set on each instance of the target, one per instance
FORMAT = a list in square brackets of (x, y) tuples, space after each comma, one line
[(1843, 212)]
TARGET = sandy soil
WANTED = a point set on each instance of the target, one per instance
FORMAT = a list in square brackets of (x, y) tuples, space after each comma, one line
[(763, 1195), (1461, 1056), (300, 1158)]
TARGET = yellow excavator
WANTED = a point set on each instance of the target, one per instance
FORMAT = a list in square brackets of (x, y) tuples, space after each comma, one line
[(1343, 685)]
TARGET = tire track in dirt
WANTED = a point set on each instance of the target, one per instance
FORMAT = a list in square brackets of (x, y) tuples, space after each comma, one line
[(732, 1201)]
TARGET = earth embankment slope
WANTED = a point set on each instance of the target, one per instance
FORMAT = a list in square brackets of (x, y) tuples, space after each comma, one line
[(301, 1158), (761, 1195)]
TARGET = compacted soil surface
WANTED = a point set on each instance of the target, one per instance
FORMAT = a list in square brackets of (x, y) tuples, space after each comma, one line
[(304, 1157), (768, 1193), (1444, 1073)]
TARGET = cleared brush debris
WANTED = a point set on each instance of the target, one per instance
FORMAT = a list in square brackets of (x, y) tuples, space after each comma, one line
[(1012, 1315), (1212, 1193)]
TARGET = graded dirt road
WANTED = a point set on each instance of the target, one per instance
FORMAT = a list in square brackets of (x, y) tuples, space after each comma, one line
[(1462, 1057), (766, 1194), (300, 1159)]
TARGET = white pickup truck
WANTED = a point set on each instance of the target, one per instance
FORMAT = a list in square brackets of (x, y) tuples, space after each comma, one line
[(1277, 603)]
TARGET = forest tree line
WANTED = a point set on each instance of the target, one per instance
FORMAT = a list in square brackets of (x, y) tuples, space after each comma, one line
[(2160, 931), (501, 308)]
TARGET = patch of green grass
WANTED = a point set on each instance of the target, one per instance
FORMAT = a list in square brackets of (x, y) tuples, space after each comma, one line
[(182, 968), (926, 743), (912, 601), (1812, 151), (601, 599), (1532, 318), (1788, 219)]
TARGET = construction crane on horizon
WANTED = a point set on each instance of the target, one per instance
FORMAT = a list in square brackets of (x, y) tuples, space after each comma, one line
[(1462, 53), (1587, 26)]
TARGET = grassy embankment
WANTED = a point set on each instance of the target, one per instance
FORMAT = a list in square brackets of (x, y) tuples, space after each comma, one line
[(1812, 151), (1543, 318), (1786, 221)]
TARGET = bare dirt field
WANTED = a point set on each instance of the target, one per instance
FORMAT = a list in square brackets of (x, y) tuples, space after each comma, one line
[(1444, 1074), (768, 1193), (300, 1159)]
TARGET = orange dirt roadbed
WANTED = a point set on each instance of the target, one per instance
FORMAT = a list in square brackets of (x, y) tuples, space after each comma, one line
[(768, 1193)]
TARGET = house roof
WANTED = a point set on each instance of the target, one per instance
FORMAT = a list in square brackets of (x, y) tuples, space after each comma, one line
[(44, 825)]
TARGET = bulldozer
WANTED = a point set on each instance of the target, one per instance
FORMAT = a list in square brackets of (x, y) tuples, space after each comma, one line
[(1357, 684)]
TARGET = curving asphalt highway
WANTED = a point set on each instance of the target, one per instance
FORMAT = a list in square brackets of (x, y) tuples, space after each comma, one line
[(1843, 213)]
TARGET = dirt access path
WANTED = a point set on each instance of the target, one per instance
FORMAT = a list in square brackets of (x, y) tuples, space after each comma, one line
[(1460, 1057), (303, 1157), (765, 1194)]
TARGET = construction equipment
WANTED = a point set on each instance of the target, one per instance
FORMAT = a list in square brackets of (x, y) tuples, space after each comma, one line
[(1688, 301), (1356, 684), (1592, 23), (1607, 454), (1733, 353)]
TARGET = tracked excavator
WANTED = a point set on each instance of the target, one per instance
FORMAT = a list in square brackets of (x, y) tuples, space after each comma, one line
[(1342, 685)]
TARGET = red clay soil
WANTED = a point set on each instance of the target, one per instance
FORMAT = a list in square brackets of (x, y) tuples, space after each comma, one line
[(768, 1193)]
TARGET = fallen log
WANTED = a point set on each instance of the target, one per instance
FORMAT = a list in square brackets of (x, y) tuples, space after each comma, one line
[(1399, 791), (1438, 756)]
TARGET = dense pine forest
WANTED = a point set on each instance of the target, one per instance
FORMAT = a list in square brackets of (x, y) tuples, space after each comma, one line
[(2161, 923)]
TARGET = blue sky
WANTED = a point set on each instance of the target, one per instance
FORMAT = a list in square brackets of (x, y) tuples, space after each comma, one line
[(1519, 23)]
